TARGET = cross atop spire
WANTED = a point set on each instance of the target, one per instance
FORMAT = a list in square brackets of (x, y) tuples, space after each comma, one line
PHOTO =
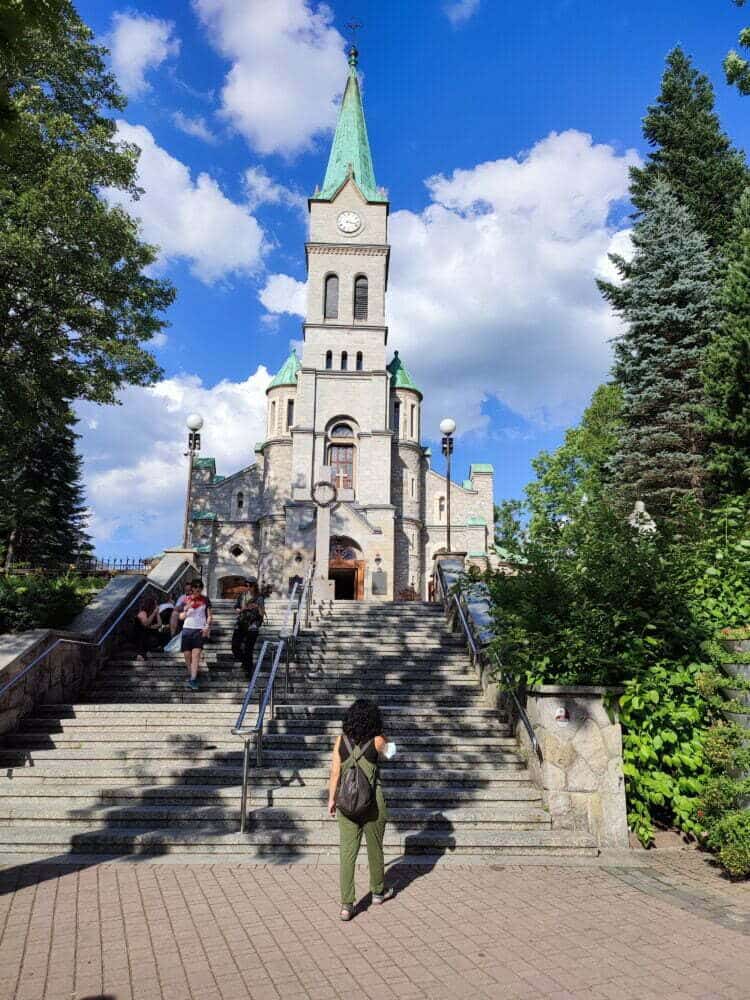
[(350, 152)]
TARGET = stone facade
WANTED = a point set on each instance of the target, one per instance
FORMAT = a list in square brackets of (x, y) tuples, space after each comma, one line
[(341, 411)]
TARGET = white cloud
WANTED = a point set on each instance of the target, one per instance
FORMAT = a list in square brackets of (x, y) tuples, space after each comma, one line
[(134, 465), (189, 219), (282, 294), (461, 10), (492, 290), (159, 340), (261, 189), (139, 43), (288, 66), (197, 127)]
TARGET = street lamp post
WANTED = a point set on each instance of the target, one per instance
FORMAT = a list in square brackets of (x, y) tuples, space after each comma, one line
[(448, 429), (194, 423)]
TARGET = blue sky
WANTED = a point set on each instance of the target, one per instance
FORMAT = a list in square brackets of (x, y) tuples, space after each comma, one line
[(503, 133)]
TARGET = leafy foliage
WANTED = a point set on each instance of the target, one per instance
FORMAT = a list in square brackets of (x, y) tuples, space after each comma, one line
[(31, 601), (690, 152), (667, 299), (726, 372), (722, 810)]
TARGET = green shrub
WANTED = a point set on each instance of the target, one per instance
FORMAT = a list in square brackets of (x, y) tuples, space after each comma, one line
[(730, 838), (34, 601)]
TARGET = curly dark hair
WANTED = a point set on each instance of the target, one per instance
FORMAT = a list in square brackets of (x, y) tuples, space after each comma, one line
[(363, 721)]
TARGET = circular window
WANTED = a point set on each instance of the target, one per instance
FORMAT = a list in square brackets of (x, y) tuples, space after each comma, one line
[(236, 551)]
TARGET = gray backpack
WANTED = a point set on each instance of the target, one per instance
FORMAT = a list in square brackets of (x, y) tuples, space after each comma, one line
[(356, 791)]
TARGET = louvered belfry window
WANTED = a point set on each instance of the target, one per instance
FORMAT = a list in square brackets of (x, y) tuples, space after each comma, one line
[(331, 305), (360, 297)]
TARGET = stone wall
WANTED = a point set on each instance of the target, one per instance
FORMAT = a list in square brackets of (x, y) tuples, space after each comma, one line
[(72, 658), (580, 772)]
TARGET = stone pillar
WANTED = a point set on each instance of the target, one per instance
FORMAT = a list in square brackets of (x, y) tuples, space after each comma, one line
[(581, 767)]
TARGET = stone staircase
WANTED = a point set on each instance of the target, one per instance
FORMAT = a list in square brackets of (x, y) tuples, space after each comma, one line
[(144, 766)]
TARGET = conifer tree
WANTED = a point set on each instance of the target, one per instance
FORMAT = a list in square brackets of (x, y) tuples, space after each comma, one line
[(667, 300), (691, 152), (43, 517), (727, 370)]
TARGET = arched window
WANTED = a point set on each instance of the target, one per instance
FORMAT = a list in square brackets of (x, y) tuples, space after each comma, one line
[(344, 361), (441, 509), (360, 361), (289, 413), (397, 418), (413, 420), (331, 304), (341, 456), (360, 297), (272, 421), (240, 502), (329, 360)]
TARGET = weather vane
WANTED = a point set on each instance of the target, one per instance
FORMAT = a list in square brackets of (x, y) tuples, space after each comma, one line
[(353, 27)]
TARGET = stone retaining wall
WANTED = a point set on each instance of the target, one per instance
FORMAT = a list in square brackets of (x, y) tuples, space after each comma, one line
[(580, 771), (75, 655)]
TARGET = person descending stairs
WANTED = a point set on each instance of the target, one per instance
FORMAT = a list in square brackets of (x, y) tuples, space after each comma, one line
[(143, 766)]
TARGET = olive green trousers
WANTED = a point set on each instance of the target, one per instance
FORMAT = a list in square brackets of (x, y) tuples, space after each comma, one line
[(350, 840)]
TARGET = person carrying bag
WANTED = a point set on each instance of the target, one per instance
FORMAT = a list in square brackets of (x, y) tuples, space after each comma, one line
[(355, 798)]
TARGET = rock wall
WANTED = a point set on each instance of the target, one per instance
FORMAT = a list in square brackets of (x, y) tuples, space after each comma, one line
[(580, 772)]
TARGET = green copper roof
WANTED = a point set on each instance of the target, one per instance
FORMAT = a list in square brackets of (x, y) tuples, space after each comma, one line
[(204, 463), (481, 467), (475, 519), (350, 153), (468, 485), (203, 515), (287, 375), (202, 548), (400, 377), (218, 479)]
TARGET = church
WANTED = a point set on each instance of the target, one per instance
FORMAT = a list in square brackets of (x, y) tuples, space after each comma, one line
[(344, 426)]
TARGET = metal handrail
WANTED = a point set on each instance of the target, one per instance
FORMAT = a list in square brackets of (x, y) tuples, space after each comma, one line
[(477, 654), (285, 630), (255, 732), (304, 601), (83, 642)]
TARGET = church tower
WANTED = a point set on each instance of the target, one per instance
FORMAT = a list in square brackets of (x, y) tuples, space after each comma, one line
[(343, 412)]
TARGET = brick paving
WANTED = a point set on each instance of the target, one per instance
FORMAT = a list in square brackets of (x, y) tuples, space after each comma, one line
[(660, 928)]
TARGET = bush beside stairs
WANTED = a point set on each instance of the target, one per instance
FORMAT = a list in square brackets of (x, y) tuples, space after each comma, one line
[(143, 766)]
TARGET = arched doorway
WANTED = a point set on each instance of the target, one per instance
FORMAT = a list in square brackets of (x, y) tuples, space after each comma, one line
[(346, 568), (231, 586)]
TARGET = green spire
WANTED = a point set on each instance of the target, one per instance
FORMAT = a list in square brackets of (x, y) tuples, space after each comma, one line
[(350, 153), (400, 377), (287, 374)]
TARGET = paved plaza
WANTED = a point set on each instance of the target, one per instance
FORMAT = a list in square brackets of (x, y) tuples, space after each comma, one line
[(651, 927)]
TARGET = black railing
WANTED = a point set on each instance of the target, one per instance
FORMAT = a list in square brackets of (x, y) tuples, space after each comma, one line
[(81, 566)]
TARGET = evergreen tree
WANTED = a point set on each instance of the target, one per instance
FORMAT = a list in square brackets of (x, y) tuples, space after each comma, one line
[(667, 300), (727, 370), (43, 516), (691, 152), (736, 67)]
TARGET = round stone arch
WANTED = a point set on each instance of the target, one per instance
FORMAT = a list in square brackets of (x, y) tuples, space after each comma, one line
[(346, 567)]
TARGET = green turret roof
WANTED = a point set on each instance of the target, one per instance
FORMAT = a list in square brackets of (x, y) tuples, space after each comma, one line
[(350, 153), (287, 374), (400, 377)]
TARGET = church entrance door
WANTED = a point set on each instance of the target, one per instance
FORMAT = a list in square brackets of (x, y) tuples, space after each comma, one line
[(348, 576)]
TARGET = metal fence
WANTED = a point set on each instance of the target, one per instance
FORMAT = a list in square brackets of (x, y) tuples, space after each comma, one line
[(83, 566)]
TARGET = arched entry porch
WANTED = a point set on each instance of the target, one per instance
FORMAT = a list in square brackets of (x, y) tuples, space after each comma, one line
[(346, 567), (231, 586)]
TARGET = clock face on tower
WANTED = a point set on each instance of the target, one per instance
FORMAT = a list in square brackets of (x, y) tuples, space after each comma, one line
[(349, 222)]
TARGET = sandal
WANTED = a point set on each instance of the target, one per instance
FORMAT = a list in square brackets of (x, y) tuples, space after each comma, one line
[(347, 912)]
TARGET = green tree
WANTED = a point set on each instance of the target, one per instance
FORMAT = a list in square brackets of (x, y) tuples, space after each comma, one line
[(509, 532), (20, 21), (727, 370), (578, 469), (691, 152), (667, 300), (75, 300), (736, 67), (43, 516)]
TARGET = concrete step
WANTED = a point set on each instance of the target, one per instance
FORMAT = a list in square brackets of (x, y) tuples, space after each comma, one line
[(194, 754), (98, 815), (64, 793), (276, 845)]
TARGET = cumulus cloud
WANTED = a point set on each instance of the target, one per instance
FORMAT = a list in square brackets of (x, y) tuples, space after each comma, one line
[(139, 43), (492, 290), (189, 219), (196, 127), (282, 294), (461, 10), (287, 69), (262, 189), (134, 463)]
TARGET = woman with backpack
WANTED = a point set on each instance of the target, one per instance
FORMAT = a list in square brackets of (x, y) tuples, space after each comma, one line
[(251, 610), (355, 797)]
